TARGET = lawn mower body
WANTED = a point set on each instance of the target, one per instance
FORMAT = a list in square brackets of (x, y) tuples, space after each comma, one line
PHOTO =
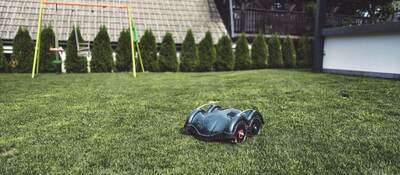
[(217, 123)]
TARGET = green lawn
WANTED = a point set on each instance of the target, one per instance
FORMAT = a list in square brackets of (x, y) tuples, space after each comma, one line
[(114, 124)]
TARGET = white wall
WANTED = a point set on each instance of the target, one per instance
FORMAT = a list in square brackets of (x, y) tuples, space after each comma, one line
[(366, 53)]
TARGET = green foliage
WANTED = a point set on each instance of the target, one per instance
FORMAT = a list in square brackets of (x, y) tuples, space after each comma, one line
[(305, 52), (102, 60), (396, 5), (289, 52), (47, 41), (114, 124), (276, 59), (259, 52), (311, 7), (225, 58), (168, 59), (2, 59), (207, 53), (73, 63), (242, 54), (124, 52), (190, 54), (23, 51), (148, 48)]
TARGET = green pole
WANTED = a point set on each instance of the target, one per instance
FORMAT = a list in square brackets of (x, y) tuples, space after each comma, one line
[(37, 47), (140, 56), (132, 41), (136, 39), (38, 58)]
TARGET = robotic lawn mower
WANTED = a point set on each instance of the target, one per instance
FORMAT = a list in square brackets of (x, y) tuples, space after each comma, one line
[(217, 123)]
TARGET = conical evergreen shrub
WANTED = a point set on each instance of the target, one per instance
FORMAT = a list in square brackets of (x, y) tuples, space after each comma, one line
[(124, 52), (242, 54), (23, 51), (259, 52), (73, 63), (148, 48), (305, 52), (168, 59), (47, 41), (225, 58), (276, 58), (207, 53), (102, 60), (2, 60), (289, 53), (190, 54)]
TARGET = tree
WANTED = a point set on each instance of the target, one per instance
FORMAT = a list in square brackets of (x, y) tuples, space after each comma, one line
[(2, 60), (289, 52), (207, 53), (102, 60), (47, 41), (242, 53), (276, 58), (378, 10), (190, 54), (23, 48), (225, 58), (148, 50), (259, 52), (73, 62), (304, 52), (168, 59), (124, 52)]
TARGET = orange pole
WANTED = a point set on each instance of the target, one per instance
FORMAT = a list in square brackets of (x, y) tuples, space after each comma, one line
[(85, 4)]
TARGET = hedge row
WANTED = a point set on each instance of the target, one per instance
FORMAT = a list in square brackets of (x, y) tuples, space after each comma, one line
[(273, 52), (2, 60)]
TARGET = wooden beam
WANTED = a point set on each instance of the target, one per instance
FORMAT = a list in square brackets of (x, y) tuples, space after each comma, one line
[(231, 19), (318, 37)]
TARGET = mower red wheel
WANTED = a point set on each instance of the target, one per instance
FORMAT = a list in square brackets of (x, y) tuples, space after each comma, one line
[(240, 133)]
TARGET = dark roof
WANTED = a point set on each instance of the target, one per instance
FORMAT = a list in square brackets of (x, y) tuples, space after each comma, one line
[(175, 16)]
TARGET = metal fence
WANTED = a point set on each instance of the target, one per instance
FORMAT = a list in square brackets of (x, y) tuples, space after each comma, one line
[(272, 21), (252, 21)]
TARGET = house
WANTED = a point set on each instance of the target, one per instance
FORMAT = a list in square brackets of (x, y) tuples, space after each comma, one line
[(367, 45), (163, 16)]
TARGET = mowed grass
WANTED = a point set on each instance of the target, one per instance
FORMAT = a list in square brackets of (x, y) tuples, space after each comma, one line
[(114, 124)]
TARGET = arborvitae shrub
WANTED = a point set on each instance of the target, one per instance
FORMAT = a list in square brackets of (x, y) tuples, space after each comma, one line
[(148, 48), (259, 52), (73, 63), (168, 59), (23, 51), (225, 58), (276, 58), (207, 53), (47, 41), (304, 52), (242, 54), (102, 60), (124, 52), (289, 52), (2, 60), (190, 54)]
